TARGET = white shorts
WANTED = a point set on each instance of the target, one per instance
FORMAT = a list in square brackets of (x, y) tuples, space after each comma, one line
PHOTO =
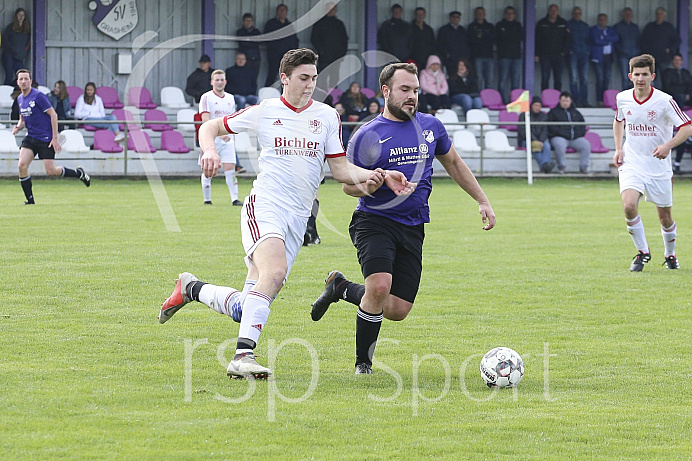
[(260, 220), (226, 150), (657, 191)]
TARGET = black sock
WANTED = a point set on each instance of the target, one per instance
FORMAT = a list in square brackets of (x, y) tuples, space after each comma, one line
[(367, 331), (193, 290), (70, 173), (351, 292), (244, 343), (26, 187)]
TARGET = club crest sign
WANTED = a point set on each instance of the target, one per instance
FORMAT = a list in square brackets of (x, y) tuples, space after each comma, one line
[(115, 18)]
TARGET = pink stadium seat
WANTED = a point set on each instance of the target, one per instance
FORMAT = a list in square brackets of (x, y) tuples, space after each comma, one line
[(515, 93), (368, 92), (75, 92), (140, 97), (104, 141), (124, 114), (689, 113), (492, 99), (504, 116), (609, 98), (110, 97), (159, 116), (173, 141), (139, 142), (336, 94), (550, 98), (597, 146)]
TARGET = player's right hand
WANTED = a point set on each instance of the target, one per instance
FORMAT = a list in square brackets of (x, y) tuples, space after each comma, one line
[(211, 162), (617, 158)]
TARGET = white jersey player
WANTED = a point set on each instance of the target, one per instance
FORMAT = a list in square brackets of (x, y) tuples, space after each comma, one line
[(296, 135), (214, 104), (647, 116)]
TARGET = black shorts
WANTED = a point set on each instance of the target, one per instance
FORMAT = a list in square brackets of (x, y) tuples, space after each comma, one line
[(385, 245), (39, 148)]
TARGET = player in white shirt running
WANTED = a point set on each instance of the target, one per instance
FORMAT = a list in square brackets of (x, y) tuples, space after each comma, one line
[(648, 116), (214, 104), (296, 135)]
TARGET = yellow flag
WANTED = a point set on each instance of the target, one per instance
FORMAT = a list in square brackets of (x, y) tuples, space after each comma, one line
[(521, 104)]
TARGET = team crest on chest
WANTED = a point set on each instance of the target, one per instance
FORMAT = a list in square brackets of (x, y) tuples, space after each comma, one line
[(651, 115), (315, 126), (428, 136)]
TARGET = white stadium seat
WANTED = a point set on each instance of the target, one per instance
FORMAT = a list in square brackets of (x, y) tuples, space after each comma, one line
[(44, 89), (465, 141), (74, 141), (267, 92), (8, 143), (173, 97), (6, 96), (186, 115), (497, 141), (448, 116), (478, 116)]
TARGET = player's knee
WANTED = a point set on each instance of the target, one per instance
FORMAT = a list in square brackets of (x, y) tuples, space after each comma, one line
[(277, 275), (379, 289)]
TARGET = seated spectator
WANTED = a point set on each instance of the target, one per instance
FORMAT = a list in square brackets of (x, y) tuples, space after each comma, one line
[(60, 101), (374, 109), (540, 145), (251, 48), (198, 82), (568, 135), (680, 152), (677, 82), (346, 130), (434, 91), (242, 82), (90, 107), (353, 101), (463, 87)]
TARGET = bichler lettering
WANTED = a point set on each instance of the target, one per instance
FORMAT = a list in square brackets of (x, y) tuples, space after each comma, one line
[(295, 143), (640, 127)]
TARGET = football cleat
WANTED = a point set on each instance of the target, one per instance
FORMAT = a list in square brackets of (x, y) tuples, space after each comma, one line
[(30, 202), (237, 203), (671, 262), (207, 202), (328, 296), (363, 369), (83, 176), (246, 366), (639, 261), (179, 297)]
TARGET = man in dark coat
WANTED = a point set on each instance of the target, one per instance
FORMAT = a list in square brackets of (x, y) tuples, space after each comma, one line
[(539, 145), (568, 135), (277, 48), (452, 42), (481, 41), (677, 82), (393, 36), (241, 82), (251, 49), (552, 43), (199, 81), (660, 39), (330, 41), (422, 39), (509, 34)]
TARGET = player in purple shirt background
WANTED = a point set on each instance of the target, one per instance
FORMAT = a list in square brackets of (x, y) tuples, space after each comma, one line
[(41, 121), (387, 230)]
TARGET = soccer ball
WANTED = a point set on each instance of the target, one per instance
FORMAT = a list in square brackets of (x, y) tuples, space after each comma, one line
[(502, 367)]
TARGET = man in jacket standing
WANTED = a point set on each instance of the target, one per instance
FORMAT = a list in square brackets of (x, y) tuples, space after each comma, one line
[(509, 34), (627, 46), (568, 135), (602, 38), (277, 48), (481, 42), (330, 41), (394, 35), (552, 42), (452, 42), (578, 57), (660, 39)]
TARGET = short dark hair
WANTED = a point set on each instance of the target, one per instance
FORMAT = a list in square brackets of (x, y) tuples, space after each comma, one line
[(509, 8), (566, 94), (396, 5), (644, 60), (295, 58), (420, 8), (677, 54), (248, 15), (388, 72), (24, 71)]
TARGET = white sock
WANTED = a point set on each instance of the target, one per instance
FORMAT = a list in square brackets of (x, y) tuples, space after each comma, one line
[(636, 229), (221, 299), (255, 314), (669, 236), (237, 307), (232, 184), (206, 188)]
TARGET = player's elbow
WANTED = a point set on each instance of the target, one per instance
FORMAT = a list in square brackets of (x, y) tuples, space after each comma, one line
[(687, 130)]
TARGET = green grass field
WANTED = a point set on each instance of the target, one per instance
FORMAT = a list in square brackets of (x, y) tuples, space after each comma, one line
[(88, 373)]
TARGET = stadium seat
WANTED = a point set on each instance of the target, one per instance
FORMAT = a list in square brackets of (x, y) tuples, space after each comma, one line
[(6, 96), (447, 116), (139, 142), (124, 114), (140, 97), (515, 93), (156, 115), (8, 143), (110, 98), (368, 92), (173, 97), (504, 116), (105, 142), (173, 142), (186, 115), (75, 92), (497, 141), (465, 141), (550, 98), (609, 98), (596, 142), (74, 141), (44, 89), (492, 99), (335, 93), (267, 92), (243, 144), (479, 116)]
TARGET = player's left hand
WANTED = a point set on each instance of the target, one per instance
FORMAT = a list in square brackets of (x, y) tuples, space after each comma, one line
[(661, 152), (55, 144), (375, 181), (398, 183), (211, 162), (487, 214)]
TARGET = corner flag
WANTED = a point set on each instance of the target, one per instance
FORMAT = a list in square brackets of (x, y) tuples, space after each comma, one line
[(521, 104)]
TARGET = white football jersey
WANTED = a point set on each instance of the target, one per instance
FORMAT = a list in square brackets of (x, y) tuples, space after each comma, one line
[(294, 146), (217, 106), (648, 123)]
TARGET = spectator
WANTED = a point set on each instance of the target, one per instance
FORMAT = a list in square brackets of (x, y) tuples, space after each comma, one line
[(354, 102), (422, 39), (16, 42), (677, 82), (452, 42), (627, 46), (463, 87), (540, 145), (434, 91), (329, 39), (680, 152), (660, 39), (509, 34), (250, 48), (602, 38), (394, 34), (568, 135), (277, 48), (346, 130), (240, 82), (578, 57), (481, 42), (374, 109), (552, 42), (198, 81), (90, 107), (60, 100)]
